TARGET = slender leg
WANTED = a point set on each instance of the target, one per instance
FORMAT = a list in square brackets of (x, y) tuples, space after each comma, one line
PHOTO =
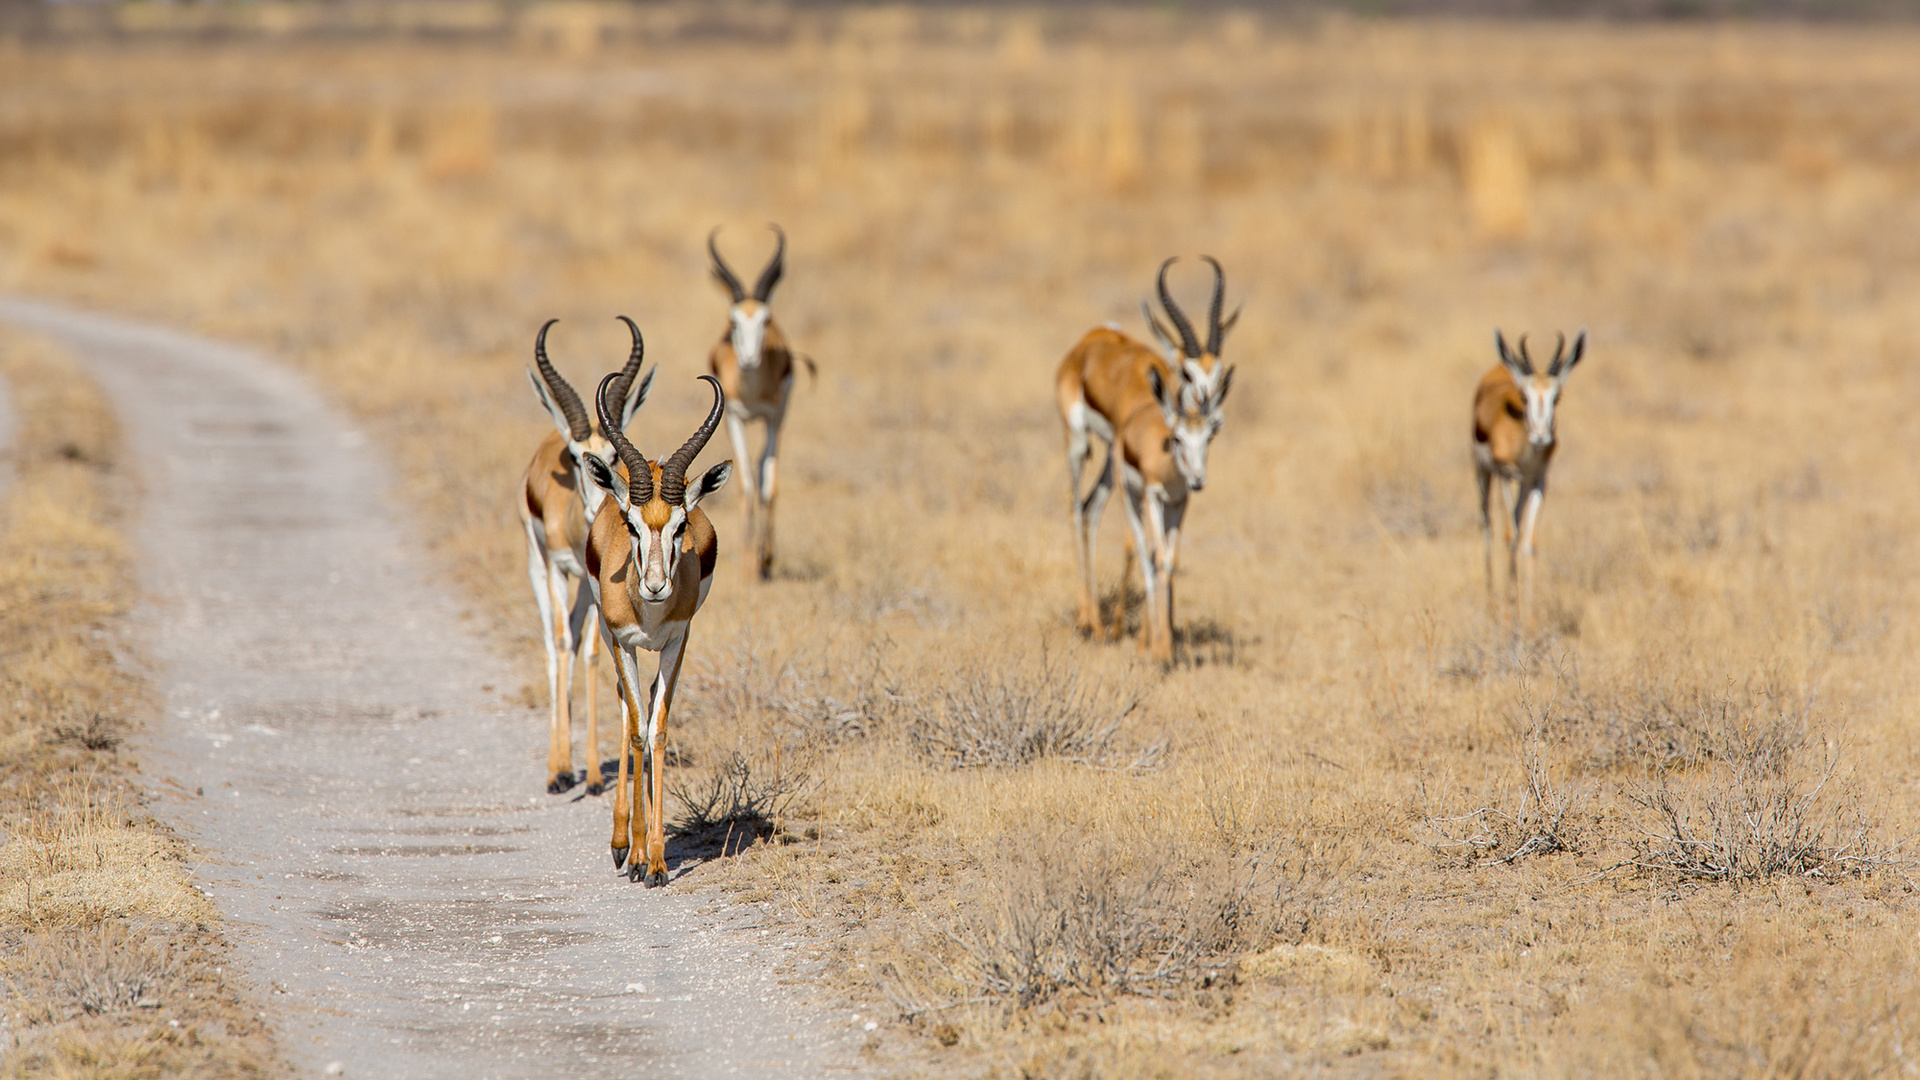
[(543, 596), (579, 625), (627, 678), (749, 496), (1145, 549), (1484, 477), (1119, 628), (663, 684), (1530, 514), (1510, 494), (1161, 603), (1090, 513), (1077, 452), (769, 486), (560, 743), (1172, 515)]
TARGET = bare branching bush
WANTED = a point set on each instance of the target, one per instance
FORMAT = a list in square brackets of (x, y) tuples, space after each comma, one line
[(1077, 915), (1757, 818), (1015, 716), (1662, 722), (60, 975), (737, 798), (1534, 816)]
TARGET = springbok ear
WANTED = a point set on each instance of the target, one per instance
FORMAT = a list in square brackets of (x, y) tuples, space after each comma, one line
[(1515, 364), (1167, 346), (710, 481), (1226, 384), (1579, 350), (637, 396), (606, 479), (552, 406), (1160, 393)]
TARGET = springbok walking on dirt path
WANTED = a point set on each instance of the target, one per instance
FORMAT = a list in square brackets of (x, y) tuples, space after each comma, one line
[(556, 506), (653, 551)]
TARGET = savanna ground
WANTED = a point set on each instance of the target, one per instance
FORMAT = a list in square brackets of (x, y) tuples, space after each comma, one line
[(1360, 827), (111, 961)]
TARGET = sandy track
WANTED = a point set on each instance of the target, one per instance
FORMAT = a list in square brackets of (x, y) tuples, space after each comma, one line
[(372, 822)]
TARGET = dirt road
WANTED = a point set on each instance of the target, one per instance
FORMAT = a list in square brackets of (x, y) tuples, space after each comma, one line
[(369, 818)]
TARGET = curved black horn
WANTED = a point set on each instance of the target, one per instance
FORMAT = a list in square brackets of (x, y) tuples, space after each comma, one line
[(1188, 343), (771, 275), (673, 471), (639, 476), (1214, 333), (578, 425), (1559, 352), (1526, 359), (631, 371), (721, 271)]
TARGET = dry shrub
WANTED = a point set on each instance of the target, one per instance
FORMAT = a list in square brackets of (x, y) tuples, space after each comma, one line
[(1667, 718), (1081, 914), (1757, 816), (737, 800), (1007, 716), (60, 975), (1534, 816)]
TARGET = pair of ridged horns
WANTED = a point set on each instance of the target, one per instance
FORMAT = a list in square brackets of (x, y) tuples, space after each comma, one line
[(1189, 342), (768, 277), (673, 470), (1521, 359), (578, 426)]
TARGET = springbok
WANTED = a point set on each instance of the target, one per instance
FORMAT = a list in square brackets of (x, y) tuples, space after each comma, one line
[(1158, 422), (653, 551), (556, 505), (754, 364), (1513, 440)]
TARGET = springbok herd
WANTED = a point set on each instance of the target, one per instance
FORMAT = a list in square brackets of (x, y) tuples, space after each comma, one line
[(630, 530)]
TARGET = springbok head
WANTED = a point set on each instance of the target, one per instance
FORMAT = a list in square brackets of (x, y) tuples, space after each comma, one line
[(750, 313), (1191, 425), (1203, 377), (654, 499), (1540, 390), (570, 416)]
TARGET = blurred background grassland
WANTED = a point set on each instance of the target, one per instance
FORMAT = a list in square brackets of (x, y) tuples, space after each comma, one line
[(1377, 834)]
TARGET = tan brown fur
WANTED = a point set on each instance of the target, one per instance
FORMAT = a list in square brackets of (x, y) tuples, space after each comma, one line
[(760, 393), (1500, 418), (551, 503), (1111, 375)]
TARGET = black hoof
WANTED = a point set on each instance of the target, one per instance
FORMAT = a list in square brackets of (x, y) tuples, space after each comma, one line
[(595, 788), (560, 783), (634, 872), (619, 857), (656, 879)]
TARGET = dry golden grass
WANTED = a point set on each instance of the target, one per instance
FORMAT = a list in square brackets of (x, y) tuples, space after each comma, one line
[(112, 964), (1451, 852)]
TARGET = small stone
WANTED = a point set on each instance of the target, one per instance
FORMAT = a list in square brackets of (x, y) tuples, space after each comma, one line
[(335, 1068)]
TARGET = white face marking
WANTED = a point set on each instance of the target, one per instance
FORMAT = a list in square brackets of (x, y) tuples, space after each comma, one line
[(656, 554), (749, 333), (1541, 394)]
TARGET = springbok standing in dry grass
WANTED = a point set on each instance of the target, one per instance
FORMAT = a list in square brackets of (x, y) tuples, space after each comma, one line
[(755, 367), (1158, 420), (653, 551), (556, 506), (1513, 440)]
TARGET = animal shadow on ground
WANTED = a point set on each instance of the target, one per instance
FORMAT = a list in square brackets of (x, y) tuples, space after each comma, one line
[(1204, 641)]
